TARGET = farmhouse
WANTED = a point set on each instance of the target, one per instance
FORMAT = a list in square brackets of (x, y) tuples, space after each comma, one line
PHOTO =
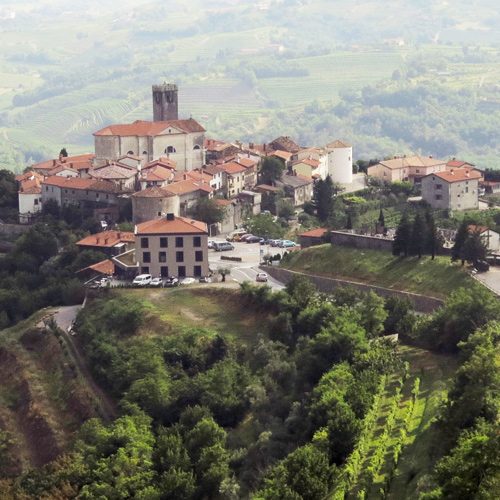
[(406, 168)]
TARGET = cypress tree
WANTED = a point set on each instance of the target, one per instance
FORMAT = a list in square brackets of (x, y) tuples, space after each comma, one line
[(432, 243), (418, 236), (460, 239), (401, 241)]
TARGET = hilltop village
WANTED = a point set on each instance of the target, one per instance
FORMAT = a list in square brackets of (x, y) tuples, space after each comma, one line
[(167, 170)]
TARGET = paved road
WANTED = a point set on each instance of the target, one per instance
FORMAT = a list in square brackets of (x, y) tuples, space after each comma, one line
[(491, 279), (65, 316), (247, 269)]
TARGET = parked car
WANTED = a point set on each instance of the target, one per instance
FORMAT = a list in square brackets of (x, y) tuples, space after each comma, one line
[(287, 244), (236, 234), (482, 266), (205, 279), (156, 282), (223, 246), (274, 243), (188, 281), (171, 282), (142, 280), (253, 239), (241, 237), (211, 243), (262, 277)]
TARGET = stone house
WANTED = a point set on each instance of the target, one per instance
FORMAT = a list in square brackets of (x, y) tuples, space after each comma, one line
[(179, 140), (108, 242), (172, 246), (296, 187), (313, 237), (456, 189), (29, 196), (235, 175), (124, 178)]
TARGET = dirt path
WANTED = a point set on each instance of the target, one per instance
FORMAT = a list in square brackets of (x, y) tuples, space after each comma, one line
[(64, 318)]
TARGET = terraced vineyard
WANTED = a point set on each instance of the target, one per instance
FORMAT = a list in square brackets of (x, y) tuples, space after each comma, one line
[(396, 448)]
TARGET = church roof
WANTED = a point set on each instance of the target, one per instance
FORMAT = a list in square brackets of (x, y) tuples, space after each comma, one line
[(146, 128)]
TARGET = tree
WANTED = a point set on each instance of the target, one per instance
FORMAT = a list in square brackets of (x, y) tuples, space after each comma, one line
[(460, 239), (381, 219), (474, 248), (401, 242), (271, 170), (432, 241), (63, 153), (322, 198), (207, 210), (418, 236), (265, 226), (373, 314), (224, 271), (285, 208)]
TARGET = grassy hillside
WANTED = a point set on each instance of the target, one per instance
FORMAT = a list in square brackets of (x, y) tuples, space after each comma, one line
[(436, 277)]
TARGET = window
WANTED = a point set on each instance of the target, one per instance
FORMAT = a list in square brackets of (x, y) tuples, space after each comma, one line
[(439, 186), (179, 256), (466, 189), (162, 256), (417, 171), (97, 195), (130, 153), (159, 214), (197, 271), (196, 147), (107, 196), (36, 201), (439, 197), (144, 152), (163, 242), (87, 192), (170, 149), (181, 271), (144, 242), (164, 271), (179, 241), (72, 191), (145, 270), (197, 241), (198, 256), (66, 191), (146, 257)]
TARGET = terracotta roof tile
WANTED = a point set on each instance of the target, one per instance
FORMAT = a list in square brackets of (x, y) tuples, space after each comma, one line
[(147, 128), (315, 233), (233, 168), (458, 175), (153, 192), (104, 267), (79, 183), (188, 186), (179, 225), (412, 161), (107, 239), (284, 155), (338, 145)]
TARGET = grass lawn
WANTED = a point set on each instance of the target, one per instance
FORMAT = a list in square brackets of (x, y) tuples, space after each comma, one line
[(172, 310), (436, 277)]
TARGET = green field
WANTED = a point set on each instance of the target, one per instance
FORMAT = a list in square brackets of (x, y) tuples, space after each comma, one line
[(437, 278)]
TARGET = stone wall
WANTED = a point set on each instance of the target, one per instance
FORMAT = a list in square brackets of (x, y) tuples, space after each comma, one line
[(360, 241), (421, 303), (12, 230)]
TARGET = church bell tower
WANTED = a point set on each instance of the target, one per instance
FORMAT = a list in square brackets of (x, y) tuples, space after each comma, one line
[(165, 102)]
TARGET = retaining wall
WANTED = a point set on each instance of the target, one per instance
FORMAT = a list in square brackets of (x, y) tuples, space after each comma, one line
[(421, 303)]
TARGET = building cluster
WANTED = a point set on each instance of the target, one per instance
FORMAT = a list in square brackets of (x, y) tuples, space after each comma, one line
[(445, 184)]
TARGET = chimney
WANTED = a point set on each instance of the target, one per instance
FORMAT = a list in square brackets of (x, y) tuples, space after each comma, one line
[(97, 240), (452, 172), (106, 241), (430, 156), (54, 162), (251, 145), (170, 216)]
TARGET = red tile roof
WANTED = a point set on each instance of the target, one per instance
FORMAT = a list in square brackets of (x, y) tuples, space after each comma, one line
[(107, 239), (146, 128), (30, 186), (477, 229), (338, 145), (223, 203), (458, 175), (233, 168), (315, 233), (104, 267), (179, 225), (411, 161), (77, 162), (246, 162), (154, 192), (284, 155), (157, 173), (79, 183), (188, 186), (113, 172), (458, 164), (30, 174)]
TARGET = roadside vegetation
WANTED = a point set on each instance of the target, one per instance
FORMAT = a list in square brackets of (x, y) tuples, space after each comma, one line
[(438, 277)]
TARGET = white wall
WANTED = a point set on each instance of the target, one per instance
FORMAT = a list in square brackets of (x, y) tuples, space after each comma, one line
[(340, 165), (27, 203)]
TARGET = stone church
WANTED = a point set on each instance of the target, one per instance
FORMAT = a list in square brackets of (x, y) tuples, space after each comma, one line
[(180, 140)]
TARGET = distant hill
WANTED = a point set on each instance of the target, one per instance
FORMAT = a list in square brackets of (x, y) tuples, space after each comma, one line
[(245, 69)]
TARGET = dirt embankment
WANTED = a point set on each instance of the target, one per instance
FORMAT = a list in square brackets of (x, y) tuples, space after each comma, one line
[(42, 401)]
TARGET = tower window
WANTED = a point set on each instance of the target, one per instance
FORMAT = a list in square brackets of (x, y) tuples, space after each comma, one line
[(130, 152), (170, 149), (144, 152), (196, 147)]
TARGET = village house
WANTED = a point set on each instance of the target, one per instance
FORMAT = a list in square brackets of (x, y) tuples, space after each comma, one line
[(296, 187), (313, 237), (283, 156), (29, 195), (219, 177), (406, 168), (250, 174), (81, 164), (172, 246), (125, 178), (108, 242), (99, 196), (152, 203), (189, 192), (156, 173), (250, 202), (218, 150), (310, 162), (456, 189), (235, 175), (284, 143)]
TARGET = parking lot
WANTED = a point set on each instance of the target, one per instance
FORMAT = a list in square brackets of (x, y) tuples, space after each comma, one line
[(251, 255)]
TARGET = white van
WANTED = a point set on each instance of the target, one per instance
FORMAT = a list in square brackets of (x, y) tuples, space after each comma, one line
[(142, 280)]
